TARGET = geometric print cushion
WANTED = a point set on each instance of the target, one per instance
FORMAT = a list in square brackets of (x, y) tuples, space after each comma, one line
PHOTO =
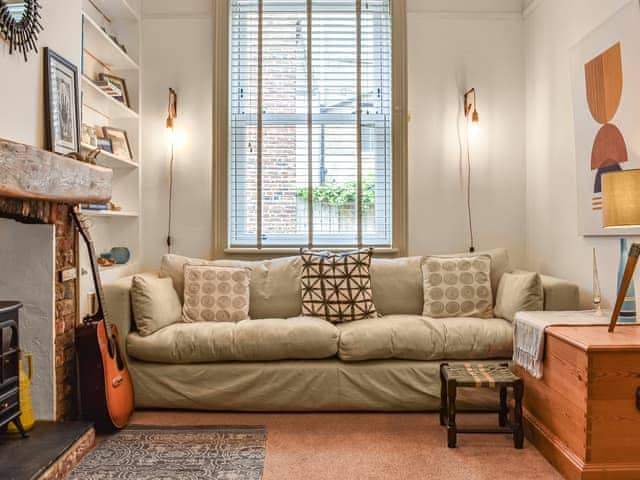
[(215, 294), (457, 287), (337, 287)]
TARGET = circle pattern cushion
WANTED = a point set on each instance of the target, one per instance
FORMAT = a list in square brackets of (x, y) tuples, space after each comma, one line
[(457, 287), (215, 294)]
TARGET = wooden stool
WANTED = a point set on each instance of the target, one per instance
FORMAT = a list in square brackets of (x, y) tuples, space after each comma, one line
[(481, 375)]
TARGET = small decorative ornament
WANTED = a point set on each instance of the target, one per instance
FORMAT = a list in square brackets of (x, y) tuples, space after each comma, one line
[(20, 25), (597, 295)]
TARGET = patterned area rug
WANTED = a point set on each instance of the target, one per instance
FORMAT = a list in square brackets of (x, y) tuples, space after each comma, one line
[(177, 453)]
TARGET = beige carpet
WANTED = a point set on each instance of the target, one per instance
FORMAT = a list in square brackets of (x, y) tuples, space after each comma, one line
[(373, 446)]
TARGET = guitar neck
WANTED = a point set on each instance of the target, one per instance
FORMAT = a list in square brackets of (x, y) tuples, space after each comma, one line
[(100, 313)]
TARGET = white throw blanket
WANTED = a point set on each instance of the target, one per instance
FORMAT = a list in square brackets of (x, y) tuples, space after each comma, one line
[(528, 335)]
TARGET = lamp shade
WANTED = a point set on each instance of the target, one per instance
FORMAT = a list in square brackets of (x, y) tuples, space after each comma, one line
[(621, 199)]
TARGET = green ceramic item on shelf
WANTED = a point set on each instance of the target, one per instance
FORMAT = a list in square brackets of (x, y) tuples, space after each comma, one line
[(120, 254)]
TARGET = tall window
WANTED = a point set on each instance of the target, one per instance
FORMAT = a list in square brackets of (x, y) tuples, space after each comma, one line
[(310, 123)]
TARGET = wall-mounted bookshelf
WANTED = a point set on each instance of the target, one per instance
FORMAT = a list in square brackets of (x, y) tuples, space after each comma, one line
[(111, 46)]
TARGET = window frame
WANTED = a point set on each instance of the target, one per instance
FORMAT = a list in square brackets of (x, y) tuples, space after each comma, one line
[(221, 131)]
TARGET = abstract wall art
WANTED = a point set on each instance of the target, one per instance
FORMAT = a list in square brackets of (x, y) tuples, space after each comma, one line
[(606, 107)]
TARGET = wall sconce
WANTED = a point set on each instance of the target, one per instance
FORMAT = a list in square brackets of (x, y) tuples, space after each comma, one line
[(171, 135), (172, 114), (470, 108)]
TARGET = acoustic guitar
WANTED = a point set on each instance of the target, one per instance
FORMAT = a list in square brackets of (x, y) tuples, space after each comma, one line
[(106, 391)]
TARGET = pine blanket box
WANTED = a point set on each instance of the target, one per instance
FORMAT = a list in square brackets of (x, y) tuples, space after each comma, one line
[(584, 413)]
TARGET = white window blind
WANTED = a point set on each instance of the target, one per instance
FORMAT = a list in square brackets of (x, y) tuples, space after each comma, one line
[(310, 123)]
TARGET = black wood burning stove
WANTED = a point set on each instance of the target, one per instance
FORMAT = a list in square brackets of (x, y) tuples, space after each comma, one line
[(9, 354)]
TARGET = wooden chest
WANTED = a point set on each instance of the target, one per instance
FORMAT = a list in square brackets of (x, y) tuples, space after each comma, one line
[(583, 414)]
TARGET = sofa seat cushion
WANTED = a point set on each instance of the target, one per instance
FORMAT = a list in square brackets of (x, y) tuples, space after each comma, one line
[(301, 338), (413, 337)]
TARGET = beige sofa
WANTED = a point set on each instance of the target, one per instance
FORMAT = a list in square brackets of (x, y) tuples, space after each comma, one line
[(279, 361)]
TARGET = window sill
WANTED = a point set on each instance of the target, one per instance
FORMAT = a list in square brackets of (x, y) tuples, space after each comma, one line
[(274, 252)]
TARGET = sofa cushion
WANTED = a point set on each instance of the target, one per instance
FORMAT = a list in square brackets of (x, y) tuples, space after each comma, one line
[(337, 287), (409, 337), (274, 284), (215, 294), (412, 337), (154, 303), (519, 292), (457, 287), (396, 284), (301, 338)]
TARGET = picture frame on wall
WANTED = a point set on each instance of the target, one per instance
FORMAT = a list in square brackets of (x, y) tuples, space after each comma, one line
[(119, 83), (62, 106), (119, 142), (605, 71)]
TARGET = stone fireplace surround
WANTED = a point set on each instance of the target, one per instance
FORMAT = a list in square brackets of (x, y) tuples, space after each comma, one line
[(39, 262)]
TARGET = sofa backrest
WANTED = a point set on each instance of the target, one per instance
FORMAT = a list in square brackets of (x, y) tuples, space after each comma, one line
[(274, 285), (396, 283)]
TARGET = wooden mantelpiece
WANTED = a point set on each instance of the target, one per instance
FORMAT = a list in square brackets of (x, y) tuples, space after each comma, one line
[(30, 173)]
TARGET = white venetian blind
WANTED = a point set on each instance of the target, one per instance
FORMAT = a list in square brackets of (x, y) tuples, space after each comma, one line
[(310, 123)]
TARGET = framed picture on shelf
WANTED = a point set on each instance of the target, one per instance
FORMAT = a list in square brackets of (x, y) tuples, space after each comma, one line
[(62, 108), (104, 144), (119, 142), (89, 135), (120, 85)]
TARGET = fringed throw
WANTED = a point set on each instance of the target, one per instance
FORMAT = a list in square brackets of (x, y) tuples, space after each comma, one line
[(528, 335)]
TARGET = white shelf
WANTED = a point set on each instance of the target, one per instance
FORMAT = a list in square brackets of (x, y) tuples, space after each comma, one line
[(110, 160), (117, 10), (100, 46), (103, 103), (109, 213)]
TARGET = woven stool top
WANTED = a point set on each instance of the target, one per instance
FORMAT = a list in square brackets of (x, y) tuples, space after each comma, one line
[(479, 375)]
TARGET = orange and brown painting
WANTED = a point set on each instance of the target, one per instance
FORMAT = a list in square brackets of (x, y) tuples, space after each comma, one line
[(604, 83)]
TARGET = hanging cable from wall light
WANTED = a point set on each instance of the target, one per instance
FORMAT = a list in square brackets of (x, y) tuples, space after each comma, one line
[(172, 114), (471, 114)]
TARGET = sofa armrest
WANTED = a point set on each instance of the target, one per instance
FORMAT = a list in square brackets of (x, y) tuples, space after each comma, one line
[(560, 294), (118, 308)]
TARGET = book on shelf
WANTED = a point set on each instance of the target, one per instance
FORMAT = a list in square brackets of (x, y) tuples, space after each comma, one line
[(95, 206)]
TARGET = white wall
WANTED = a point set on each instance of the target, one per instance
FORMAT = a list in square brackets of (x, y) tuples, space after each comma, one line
[(553, 244), (450, 52), (22, 92), (177, 50)]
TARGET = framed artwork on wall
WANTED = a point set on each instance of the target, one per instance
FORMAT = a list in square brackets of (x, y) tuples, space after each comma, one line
[(606, 98), (62, 108)]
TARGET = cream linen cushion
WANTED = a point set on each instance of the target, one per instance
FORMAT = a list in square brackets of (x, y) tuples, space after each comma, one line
[(457, 287), (154, 302), (519, 292), (411, 337), (396, 285), (215, 294), (301, 338)]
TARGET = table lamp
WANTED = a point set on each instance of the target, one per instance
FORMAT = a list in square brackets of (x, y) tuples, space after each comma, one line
[(621, 209)]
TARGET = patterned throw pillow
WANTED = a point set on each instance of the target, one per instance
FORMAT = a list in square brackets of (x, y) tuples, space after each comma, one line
[(215, 294), (457, 287), (337, 287)]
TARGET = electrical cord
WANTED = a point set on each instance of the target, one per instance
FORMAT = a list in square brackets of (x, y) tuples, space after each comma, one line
[(170, 198), (472, 247)]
